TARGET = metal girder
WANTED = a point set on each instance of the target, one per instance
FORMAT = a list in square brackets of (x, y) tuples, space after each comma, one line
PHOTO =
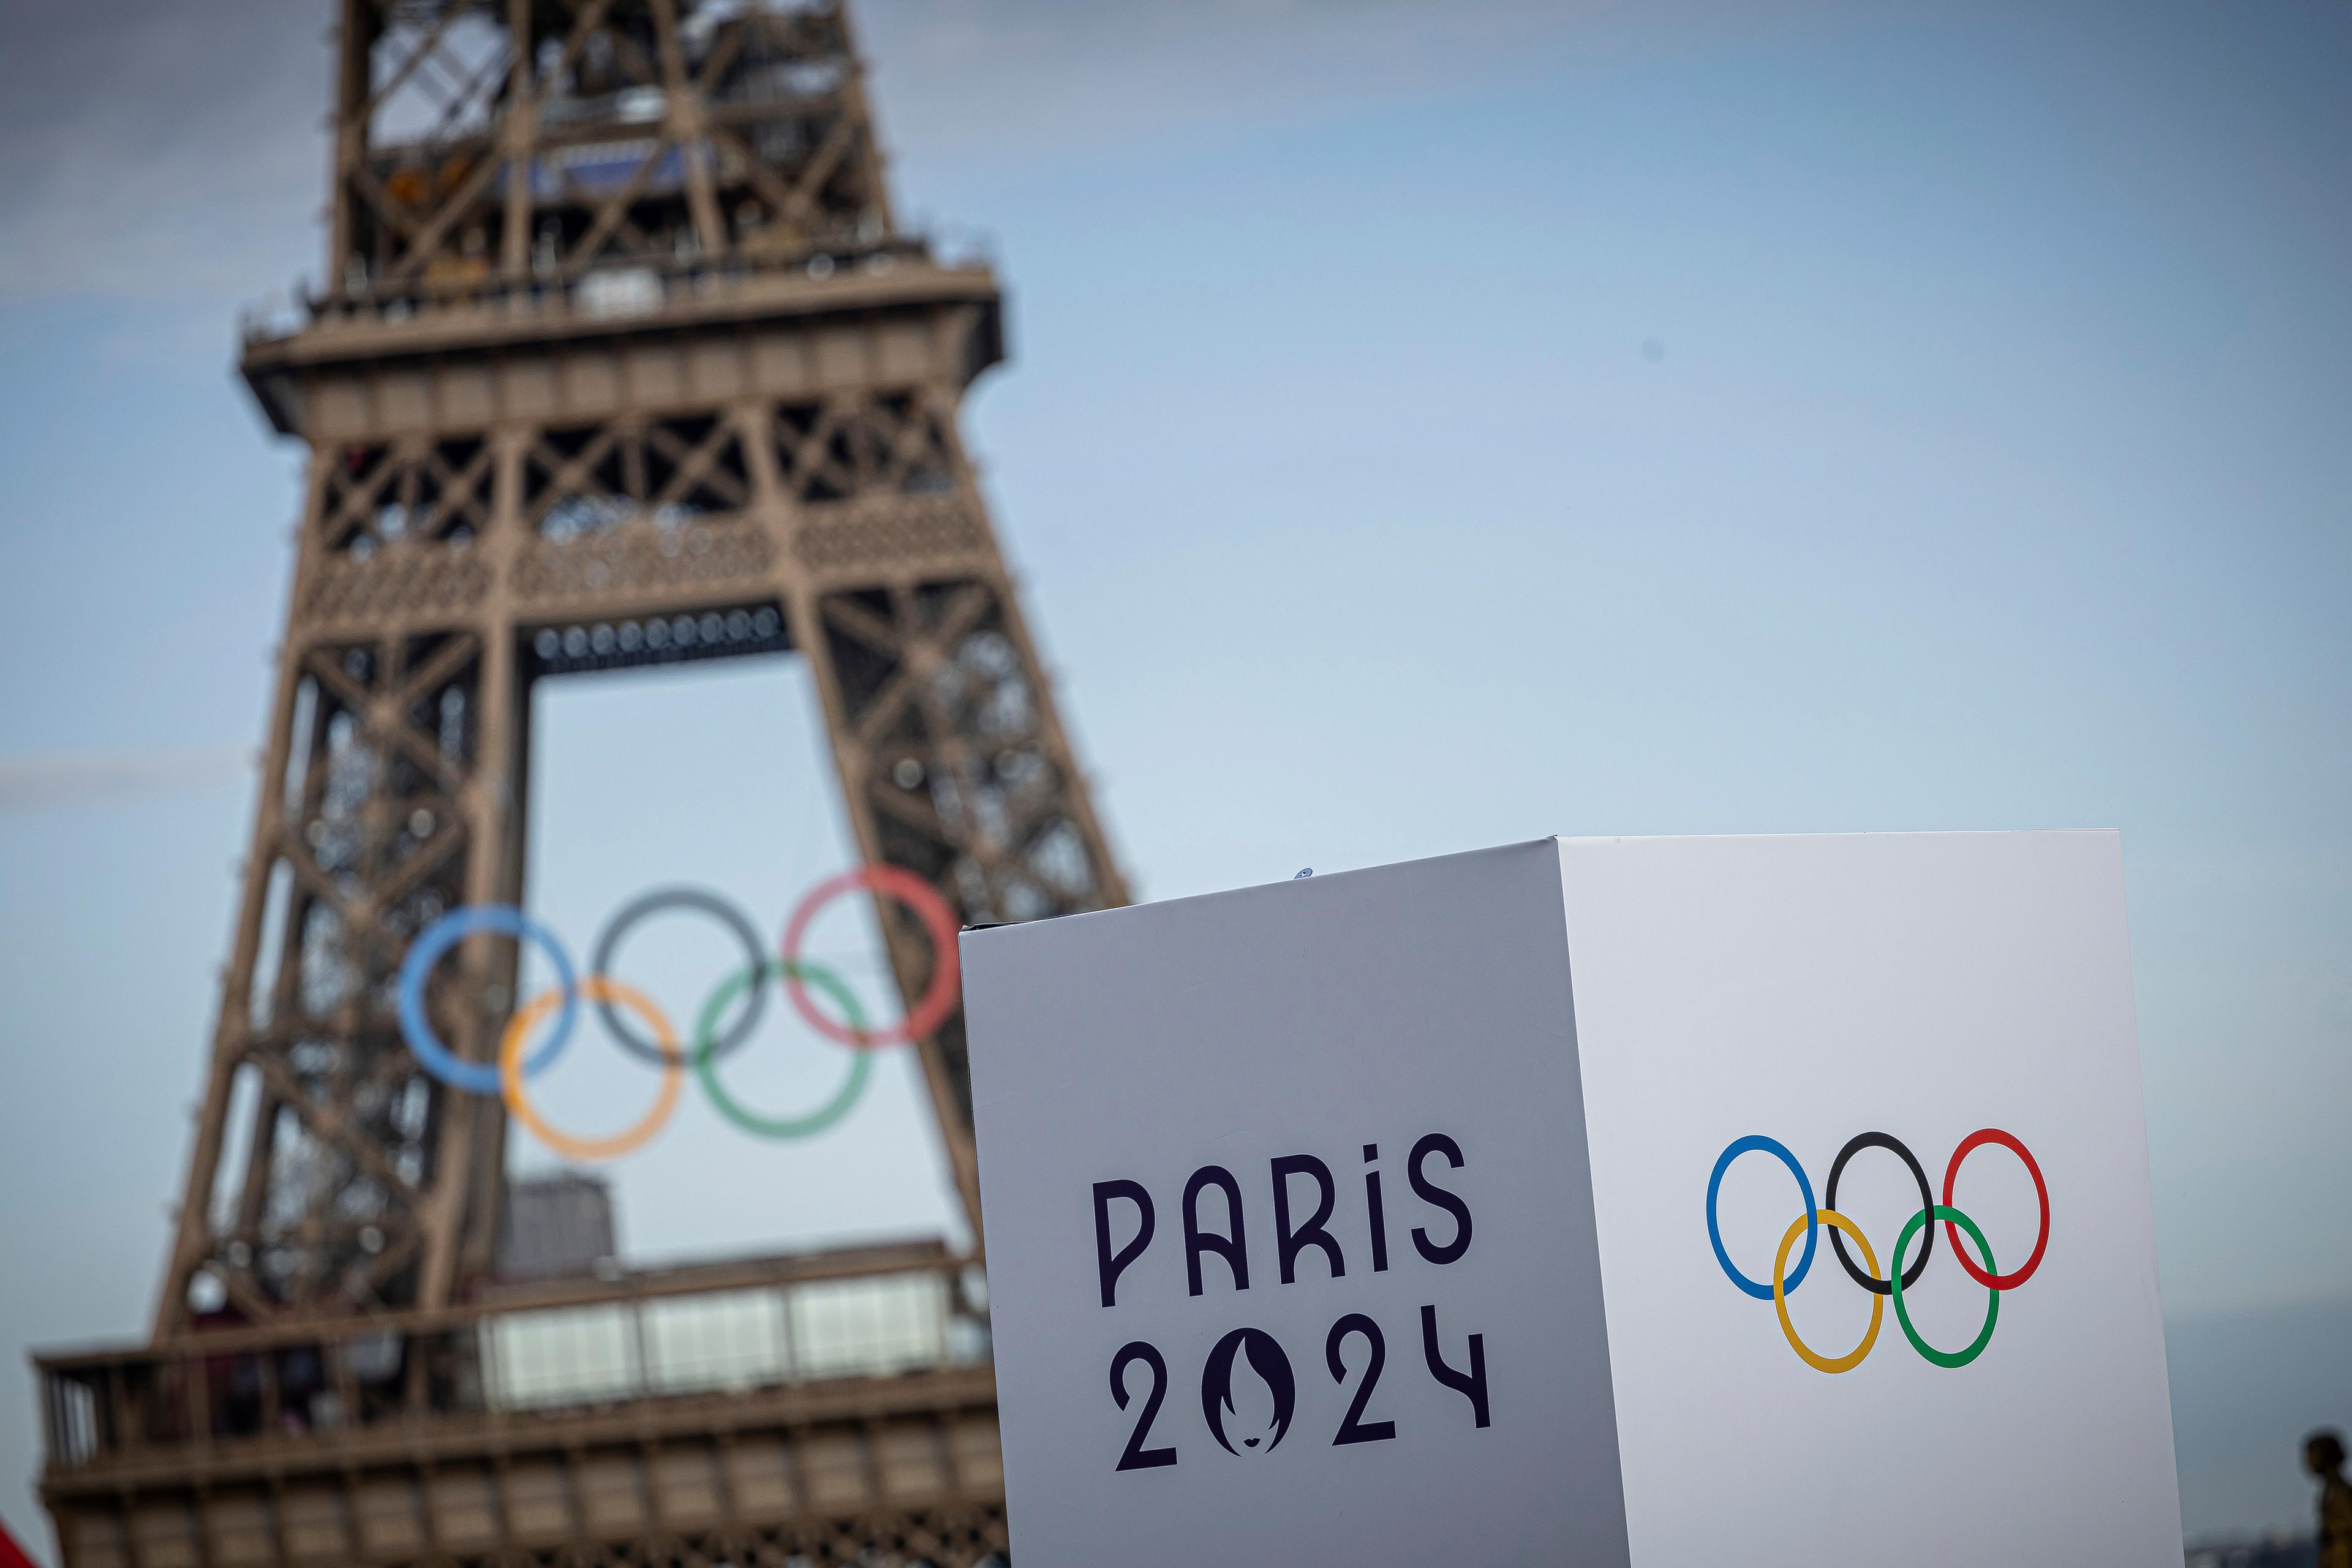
[(481, 147), (440, 572)]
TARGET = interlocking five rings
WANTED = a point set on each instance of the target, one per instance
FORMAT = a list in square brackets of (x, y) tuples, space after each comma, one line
[(1865, 1274), (659, 1044)]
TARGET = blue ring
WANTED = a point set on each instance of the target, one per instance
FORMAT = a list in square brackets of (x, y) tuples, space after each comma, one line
[(1758, 1144), (482, 1078)]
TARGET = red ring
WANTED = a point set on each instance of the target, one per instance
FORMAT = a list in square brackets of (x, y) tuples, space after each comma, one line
[(937, 1002), (1951, 1172)]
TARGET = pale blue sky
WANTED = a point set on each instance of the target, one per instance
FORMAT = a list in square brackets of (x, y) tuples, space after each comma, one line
[(1986, 467)]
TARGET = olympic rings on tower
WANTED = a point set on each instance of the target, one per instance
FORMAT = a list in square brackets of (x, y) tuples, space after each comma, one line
[(714, 1036), (475, 1077), (939, 998), (605, 991), (706, 1064), (608, 942), (1899, 1277)]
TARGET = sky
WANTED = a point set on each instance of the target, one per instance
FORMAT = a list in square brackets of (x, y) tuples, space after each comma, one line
[(1425, 428)]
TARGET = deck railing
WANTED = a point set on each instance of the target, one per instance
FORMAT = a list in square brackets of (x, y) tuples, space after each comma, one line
[(606, 290), (526, 1352)]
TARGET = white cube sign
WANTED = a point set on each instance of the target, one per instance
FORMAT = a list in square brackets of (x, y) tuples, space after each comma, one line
[(1613, 1201)]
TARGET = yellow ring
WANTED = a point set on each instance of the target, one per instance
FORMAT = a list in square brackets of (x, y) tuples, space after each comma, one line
[(597, 988), (1780, 1294)]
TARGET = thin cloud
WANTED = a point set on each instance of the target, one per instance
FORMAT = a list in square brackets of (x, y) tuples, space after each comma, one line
[(161, 151), (158, 150), (92, 778)]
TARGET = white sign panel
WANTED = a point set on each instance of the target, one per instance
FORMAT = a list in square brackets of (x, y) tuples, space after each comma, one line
[(1486, 1209)]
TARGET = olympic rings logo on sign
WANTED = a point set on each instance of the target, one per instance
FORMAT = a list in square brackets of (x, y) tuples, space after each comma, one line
[(1897, 1279), (658, 1045)]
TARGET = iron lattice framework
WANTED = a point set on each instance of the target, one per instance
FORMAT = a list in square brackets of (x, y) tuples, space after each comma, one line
[(621, 359)]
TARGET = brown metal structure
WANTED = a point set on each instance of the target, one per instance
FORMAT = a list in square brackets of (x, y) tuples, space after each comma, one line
[(622, 360)]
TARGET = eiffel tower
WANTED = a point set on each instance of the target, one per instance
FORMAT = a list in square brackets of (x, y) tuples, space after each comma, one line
[(621, 359)]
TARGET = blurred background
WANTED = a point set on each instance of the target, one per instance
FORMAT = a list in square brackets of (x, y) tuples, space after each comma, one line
[(1426, 428)]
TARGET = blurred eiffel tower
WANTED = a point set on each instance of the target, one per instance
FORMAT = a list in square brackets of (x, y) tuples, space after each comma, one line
[(622, 360)]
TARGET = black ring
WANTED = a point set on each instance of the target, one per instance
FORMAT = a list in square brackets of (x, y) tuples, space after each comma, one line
[(729, 916), (1926, 1201)]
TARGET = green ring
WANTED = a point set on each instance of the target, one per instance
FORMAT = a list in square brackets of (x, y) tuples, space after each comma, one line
[(706, 1030), (1903, 1314)]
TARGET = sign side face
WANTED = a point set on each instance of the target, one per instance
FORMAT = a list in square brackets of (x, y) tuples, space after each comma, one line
[(1767, 1006), (1394, 1044)]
